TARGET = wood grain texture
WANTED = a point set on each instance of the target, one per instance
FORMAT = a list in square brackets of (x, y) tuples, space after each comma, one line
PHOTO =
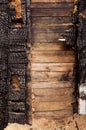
[(50, 21), (50, 106), (59, 46), (56, 114), (49, 29), (53, 91), (51, 12), (48, 5), (53, 57), (52, 67), (54, 76), (51, 0), (51, 61), (51, 84)]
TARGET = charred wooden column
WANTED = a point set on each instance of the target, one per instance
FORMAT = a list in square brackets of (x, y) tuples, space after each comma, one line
[(17, 63), (3, 64), (82, 56), (76, 37)]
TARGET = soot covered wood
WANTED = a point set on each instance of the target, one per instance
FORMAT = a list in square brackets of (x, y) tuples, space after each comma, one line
[(13, 64), (76, 37)]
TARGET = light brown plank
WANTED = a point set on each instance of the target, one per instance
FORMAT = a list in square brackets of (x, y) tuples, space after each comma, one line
[(60, 92), (53, 56), (45, 37), (51, 12), (52, 67), (50, 106), (60, 114), (52, 76), (57, 84), (54, 98), (59, 46)]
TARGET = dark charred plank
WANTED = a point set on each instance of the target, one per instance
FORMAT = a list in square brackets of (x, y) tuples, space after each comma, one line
[(17, 95), (17, 118)]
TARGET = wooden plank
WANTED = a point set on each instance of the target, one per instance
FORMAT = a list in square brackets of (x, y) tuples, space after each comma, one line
[(52, 5), (43, 21), (53, 98), (60, 92), (50, 106), (57, 84), (53, 56), (45, 37), (49, 29), (60, 114), (52, 67), (52, 76), (51, 12), (52, 1), (59, 46)]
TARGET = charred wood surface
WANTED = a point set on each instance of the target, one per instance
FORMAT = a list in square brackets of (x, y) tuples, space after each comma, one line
[(13, 64)]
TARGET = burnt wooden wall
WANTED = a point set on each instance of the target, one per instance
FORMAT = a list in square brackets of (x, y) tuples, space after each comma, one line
[(51, 61)]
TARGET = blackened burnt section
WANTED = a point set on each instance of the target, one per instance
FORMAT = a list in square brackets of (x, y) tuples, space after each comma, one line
[(17, 66), (13, 66), (76, 38), (82, 5), (82, 50), (4, 25)]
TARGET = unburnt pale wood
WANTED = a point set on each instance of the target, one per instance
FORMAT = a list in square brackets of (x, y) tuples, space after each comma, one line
[(56, 114), (52, 67), (50, 106), (51, 84), (59, 46), (51, 61), (53, 91), (53, 57), (52, 76)]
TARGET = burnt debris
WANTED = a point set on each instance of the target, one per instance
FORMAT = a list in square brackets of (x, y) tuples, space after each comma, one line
[(13, 64)]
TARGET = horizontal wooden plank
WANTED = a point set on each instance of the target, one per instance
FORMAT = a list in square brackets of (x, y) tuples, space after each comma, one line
[(50, 106), (51, 12), (48, 21), (52, 76), (52, 67), (49, 29), (49, 5), (53, 98), (45, 37), (52, 1), (57, 84), (52, 5), (59, 46), (52, 56), (60, 92), (60, 114)]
